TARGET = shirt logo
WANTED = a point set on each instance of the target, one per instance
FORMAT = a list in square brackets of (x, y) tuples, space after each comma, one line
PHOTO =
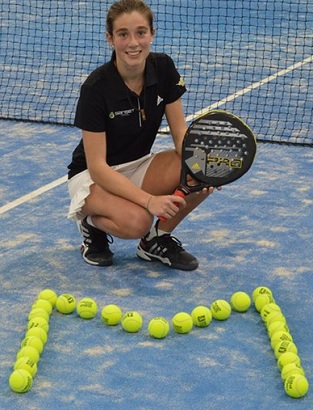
[(181, 82), (160, 99), (122, 113)]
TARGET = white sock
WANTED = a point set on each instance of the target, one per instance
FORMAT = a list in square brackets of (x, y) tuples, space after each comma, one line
[(155, 231)]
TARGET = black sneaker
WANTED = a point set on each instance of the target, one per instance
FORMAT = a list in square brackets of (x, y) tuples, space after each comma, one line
[(168, 250), (95, 248)]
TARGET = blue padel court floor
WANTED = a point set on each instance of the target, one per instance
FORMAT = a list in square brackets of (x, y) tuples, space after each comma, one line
[(255, 232)]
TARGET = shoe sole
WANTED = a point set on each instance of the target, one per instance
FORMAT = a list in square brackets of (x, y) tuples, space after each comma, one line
[(154, 258), (84, 249)]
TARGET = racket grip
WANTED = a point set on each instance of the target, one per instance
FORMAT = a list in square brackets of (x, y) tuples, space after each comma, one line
[(178, 192)]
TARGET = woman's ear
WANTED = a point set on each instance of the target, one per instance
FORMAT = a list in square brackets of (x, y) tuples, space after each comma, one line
[(110, 39), (153, 34)]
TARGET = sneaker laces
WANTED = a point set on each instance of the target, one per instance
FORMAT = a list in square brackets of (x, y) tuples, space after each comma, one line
[(171, 242), (95, 237)]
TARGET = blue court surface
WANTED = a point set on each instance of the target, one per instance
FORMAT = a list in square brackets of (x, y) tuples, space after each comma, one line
[(251, 58), (255, 232)]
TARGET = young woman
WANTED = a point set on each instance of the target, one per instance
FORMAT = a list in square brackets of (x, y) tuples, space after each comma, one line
[(116, 184)]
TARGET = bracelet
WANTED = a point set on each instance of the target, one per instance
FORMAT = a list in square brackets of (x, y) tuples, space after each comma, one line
[(148, 203)]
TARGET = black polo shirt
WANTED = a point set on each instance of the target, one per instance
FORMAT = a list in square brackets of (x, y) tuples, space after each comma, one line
[(131, 122)]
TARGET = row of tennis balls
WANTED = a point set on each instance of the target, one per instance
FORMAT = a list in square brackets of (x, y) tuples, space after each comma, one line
[(286, 352), (31, 348), (132, 321), (25, 367)]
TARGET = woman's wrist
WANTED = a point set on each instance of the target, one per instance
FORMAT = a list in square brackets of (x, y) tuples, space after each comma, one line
[(148, 203)]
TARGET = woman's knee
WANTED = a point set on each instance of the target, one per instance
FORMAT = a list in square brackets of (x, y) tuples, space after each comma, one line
[(139, 224)]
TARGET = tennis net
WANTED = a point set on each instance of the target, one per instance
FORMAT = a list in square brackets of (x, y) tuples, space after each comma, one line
[(253, 58)]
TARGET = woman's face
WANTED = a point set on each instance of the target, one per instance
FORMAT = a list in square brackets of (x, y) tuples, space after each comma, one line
[(131, 39)]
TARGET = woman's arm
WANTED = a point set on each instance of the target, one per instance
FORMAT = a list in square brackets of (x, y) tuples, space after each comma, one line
[(104, 176), (176, 121)]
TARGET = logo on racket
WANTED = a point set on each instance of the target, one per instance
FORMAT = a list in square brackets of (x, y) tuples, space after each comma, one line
[(229, 162)]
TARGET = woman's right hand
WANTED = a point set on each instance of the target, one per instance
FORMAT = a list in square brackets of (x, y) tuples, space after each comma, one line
[(165, 206)]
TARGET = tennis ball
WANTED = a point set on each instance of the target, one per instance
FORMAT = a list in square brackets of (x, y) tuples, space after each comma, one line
[(279, 336), (296, 386), (240, 301), (132, 322), (201, 316), (48, 294), (287, 358), (66, 303), (158, 327), (182, 322), (38, 312), (274, 317), (87, 308), (43, 304), (111, 314), (20, 381), (277, 327), (269, 308), (285, 346), (33, 341), (220, 309), (38, 332), (290, 369), (262, 300), (27, 364), (261, 290), (30, 352), (38, 322)]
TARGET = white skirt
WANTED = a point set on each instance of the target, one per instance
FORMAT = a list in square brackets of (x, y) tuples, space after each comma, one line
[(79, 185)]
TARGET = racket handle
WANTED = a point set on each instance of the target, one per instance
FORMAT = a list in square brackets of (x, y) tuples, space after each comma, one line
[(178, 192)]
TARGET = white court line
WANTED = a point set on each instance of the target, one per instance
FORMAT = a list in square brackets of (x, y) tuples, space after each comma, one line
[(32, 195), (57, 182)]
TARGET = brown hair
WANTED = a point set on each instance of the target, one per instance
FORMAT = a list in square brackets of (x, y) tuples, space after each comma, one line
[(128, 6)]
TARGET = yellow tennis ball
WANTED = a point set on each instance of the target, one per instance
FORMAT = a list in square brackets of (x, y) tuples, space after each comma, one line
[(261, 290), (43, 304), (290, 369), (38, 312), (201, 316), (38, 322), (158, 327), (30, 352), (132, 322), (111, 315), (279, 336), (274, 317), (262, 300), (26, 363), (269, 308), (33, 341), (277, 327), (66, 303), (296, 386), (240, 301), (48, 294), (285, 346), (220, 309), (20, 381), (38, 332), (87, 308), (182, 322), (287, 358)]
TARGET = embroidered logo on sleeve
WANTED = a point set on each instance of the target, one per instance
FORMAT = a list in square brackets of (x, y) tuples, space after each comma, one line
[(181, 82)]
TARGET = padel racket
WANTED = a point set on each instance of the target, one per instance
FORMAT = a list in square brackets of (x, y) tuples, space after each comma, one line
[(218, 148)]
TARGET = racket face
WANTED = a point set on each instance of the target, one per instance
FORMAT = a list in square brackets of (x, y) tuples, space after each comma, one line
[(218, 148)]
